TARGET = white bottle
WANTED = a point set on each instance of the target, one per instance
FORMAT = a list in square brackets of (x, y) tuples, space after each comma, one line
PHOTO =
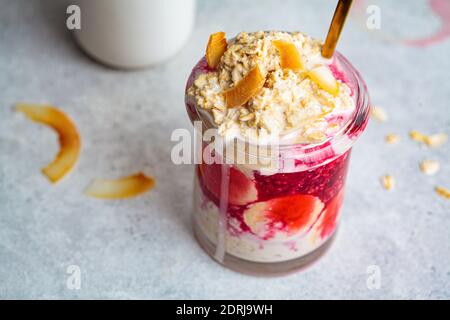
[(134, 33)]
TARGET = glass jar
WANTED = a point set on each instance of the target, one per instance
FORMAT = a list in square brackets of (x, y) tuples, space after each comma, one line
[(134, 33), (269, 220)]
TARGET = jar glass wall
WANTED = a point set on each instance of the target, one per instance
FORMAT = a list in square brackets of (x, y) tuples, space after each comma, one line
[(268, 220)]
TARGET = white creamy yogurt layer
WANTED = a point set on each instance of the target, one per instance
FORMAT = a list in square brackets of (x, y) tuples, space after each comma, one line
[(246, 245)]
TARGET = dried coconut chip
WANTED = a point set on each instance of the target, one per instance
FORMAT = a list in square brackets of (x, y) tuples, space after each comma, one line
[(69, 140), (122, 188), (289, 55), (245, 89), (443, 192), (429, 167), (387, 182), (217, 45)]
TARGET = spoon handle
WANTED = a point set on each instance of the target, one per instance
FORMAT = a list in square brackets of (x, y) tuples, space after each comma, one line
[(337, 24)]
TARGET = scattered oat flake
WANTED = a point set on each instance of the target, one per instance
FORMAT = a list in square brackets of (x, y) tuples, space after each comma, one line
[(429, 167), (387, 182), (417, 136), (392, 138), (434, 140), (444, 193), (379, 114)]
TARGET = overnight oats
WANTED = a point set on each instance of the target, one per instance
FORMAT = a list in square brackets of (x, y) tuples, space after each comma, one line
[(267, 201)]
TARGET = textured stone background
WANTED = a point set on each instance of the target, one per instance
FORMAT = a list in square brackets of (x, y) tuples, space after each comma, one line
[(144, 248)]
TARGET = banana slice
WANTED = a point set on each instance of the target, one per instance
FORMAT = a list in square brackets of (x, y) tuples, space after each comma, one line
[(323, 77)]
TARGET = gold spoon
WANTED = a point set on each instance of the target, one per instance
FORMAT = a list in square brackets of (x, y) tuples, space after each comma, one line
[(340, 15)]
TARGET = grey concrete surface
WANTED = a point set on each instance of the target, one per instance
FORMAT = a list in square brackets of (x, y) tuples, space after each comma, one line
[(144, 248)]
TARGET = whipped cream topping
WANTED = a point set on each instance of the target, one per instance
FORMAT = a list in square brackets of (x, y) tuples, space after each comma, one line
[(290, 106)]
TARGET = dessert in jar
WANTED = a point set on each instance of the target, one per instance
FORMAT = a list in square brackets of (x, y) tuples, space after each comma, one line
[(275, 211)]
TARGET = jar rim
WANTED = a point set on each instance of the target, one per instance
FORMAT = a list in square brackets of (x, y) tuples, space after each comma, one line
[(313, 155), (345, 138)]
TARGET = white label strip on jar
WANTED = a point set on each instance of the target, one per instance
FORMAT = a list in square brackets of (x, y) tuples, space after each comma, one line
[(222, 222)]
